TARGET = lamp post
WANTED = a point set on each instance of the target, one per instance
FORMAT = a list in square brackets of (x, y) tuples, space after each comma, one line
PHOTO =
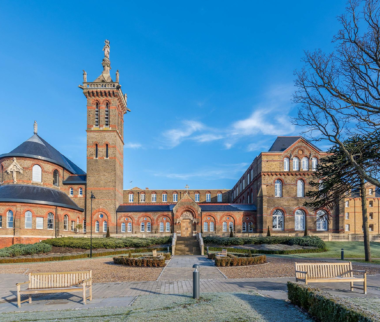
[(92, 197)]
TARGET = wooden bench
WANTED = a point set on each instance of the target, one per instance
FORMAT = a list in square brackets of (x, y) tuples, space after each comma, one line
[(155, 254), (330, 273), (223, 253), (60, 282)]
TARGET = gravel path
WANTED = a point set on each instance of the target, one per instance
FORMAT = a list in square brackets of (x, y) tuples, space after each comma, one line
[(103, 269), (278, 267)]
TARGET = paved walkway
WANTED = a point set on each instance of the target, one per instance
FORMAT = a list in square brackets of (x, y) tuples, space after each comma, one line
[(123, 293)]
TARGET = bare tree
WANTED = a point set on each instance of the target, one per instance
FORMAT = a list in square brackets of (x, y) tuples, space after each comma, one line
[(339, 93)]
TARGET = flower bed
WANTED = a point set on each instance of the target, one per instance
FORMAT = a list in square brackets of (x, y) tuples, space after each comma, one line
[(324, 307), (232, 260), (313, 241), (140, 262)]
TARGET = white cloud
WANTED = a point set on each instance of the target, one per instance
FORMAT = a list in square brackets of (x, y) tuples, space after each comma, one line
[(207, 137), (175, 136), (133, 145)]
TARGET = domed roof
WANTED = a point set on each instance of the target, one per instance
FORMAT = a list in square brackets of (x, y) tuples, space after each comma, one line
[(37, 148)]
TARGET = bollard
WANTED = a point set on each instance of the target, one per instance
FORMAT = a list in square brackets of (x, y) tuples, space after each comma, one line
[(168, 249), (196, 285), (342, 254), (207, 250)]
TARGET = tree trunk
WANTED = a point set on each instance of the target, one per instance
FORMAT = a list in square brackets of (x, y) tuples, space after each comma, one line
[(367, 249), (305, 232)]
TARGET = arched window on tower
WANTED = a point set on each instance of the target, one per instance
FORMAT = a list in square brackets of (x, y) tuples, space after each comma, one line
[(300, 188), (56, 178), (37, 173), (66, 222), (107, 115), (97, 114)]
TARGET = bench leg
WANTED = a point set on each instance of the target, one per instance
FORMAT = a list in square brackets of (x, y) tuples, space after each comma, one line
[(18, 296), (30, 299), (84, 294), (365, 284), (351, 286), (91, 292)]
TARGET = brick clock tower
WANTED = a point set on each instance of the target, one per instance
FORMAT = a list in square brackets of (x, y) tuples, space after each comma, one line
[(106, 106)]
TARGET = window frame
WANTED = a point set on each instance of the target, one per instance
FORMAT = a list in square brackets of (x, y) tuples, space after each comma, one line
[(97, 227), (205, 227), (296, 164), (28, 220), (148, 227), (208, 197), (80, 192), (175, 197), (305, 164), (314, 164), (56, 178), (167, 227), (105, 226), (162, 227), (300, 188), (164, 197), (10, 215), (319, 219), (66, 222), (122, 228), (224, 227), (277, 214), (286, 164), (278, 188), (197, 196), (40, 223), (299, 213), (219, 197), (212, 228), (154, 197), (37, 176), (131, 197), (129, 227)]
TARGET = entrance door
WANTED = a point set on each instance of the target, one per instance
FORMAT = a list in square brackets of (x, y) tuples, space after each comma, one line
[(186, 228)]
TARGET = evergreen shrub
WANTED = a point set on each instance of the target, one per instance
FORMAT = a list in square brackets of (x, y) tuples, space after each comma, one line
[(140, 262), (25, 249)]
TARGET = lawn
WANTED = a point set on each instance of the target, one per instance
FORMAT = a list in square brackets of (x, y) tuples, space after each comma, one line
[(210, 307), (351, 250)]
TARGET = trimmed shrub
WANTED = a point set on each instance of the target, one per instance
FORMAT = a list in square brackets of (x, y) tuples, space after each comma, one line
[(324, 307), (268, 232), (108, 233), (239, 261), (273, 252), (140, 262), (25, 249), (108, 243)]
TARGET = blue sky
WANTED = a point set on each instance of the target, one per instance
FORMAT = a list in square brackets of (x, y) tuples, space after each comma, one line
[(209, 83)]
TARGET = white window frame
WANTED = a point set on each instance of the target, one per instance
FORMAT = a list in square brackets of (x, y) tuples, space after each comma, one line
[(175, 197), (347, 228), (28, 220), (370, 204), (65, 222), (154, 197), (347, 215), (286, 164), (299, 220), (296, 164), (278, 220), (123, 227), (72, 225), (208, 197), (167, 227), (39, 223), (97, 226), (244, 228), (211, 226), (370, 192), (197, 197), (230, 225), (300, 188), (224, 227), (347, 203), (71, 192), (148, 227), (305, 164), (50, 221), (129, 227), (321, 217), (220, 197), (161, 227), (314, 164), (278, 188), (80, 192), (104, 226), (131, 197), (142, 197), (250, 227), (205, 227), (164, 197), (37, 173)]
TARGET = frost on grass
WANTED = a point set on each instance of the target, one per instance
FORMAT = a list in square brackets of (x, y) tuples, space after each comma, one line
[(178, 308)]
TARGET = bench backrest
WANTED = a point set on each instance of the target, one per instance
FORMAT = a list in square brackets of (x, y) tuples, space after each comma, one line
[(55, 280), (224, 251), (154, 253), (324, 270)]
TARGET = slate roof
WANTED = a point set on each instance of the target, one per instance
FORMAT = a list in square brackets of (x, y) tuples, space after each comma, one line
[(82, 179), (36, 195), (37, 148), (283, 142), (204, 207)]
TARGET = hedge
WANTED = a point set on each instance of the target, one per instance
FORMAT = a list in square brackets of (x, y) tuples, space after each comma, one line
[(324, 307), (268, 252), (113, 243), (311, 241), (139, 262), (240, 261), (25, 249), (79, 256)]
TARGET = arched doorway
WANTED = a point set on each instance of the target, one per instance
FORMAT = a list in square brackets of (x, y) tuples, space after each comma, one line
[(187, 225)]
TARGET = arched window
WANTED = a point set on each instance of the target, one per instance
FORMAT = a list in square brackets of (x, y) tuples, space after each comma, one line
[(286, 164), (322, 220), (164, 197), (278, 220), (197, 197), (300, 188), (250, 227), (231, 226), (168, 227), (71, 191), (107, 115), (28, 220), (96, 151), (305, 164), (370, 191), (148, 227), (224, 227), (211, 226), (153, 197), (66, 222), (123, 227), (299, 220), (208, 197), (129, 227), (10, 219), (106, 151), (371, 203), (37, 174), (131, 197), (50, 223), (219, 197), (96, 226), (56, 178), (104, 226), (175, 197), (80, 192), (244, 227), (296, 164), (205, 227), (97, 114), (314, 164), (278, 188), (161, 227)]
